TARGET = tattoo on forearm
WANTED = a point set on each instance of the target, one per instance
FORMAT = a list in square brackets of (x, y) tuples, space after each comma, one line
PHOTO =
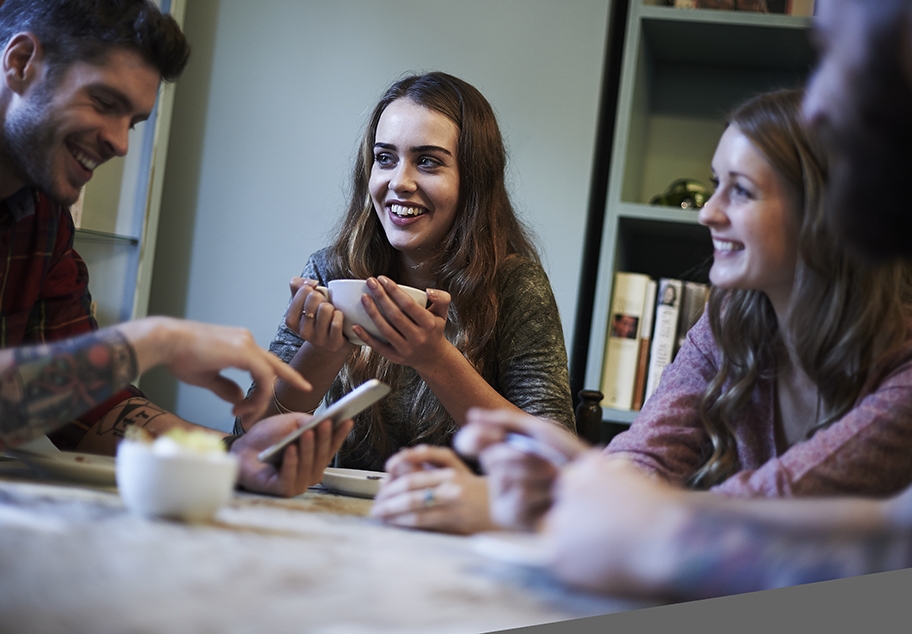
[(720, 556), (133, 411), (48, 385)]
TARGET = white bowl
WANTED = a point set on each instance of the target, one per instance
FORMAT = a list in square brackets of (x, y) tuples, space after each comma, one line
[(345, 296), (186, 486)]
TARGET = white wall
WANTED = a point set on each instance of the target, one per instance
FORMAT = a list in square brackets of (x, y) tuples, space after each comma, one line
[(267, 118)]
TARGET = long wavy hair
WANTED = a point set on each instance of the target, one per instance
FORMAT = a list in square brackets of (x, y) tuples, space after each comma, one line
[(485, 235), (853, 313)]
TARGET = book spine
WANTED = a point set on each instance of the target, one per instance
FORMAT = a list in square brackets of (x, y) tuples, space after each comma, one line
[(639, 387), (668, 308), (693, 301), (804, 8), (622, 349)]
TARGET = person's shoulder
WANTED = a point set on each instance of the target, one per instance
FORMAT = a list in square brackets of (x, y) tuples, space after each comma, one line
[(517, 268), (325, 265), (321, 256), (523, 282)]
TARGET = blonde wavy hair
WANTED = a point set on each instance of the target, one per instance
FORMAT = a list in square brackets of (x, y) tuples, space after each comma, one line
[(853, 312)]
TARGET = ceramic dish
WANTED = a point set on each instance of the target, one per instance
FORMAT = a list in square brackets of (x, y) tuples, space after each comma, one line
[(354, 482), (70, 466)]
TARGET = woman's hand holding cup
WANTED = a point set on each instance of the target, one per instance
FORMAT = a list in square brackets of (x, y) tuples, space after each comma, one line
[(311, 315), (413, 332)]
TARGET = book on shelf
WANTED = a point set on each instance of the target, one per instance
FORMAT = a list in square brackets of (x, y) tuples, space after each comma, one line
[(693, 301), (803, 8), (628, 299), (667, 311), (644, 342)]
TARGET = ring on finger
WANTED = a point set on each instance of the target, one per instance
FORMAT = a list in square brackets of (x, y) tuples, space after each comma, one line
[(429, 500), (308, 315)]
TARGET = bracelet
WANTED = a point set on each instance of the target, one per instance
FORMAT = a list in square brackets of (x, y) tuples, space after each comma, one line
[(282, 409)]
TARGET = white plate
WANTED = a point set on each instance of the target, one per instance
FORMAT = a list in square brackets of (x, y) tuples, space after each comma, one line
[(354, 482), (525, 549), (70, 466)]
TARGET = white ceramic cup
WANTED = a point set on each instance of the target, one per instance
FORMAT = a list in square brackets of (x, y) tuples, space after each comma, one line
[(345, 295), (184, 486)]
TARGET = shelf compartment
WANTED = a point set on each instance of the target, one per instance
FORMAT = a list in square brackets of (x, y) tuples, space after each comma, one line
[(683, 71), (680, 87), (663, 248), (749, 40)]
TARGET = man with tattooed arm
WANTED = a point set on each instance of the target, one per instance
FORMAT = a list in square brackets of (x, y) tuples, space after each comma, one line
[(77, 75)]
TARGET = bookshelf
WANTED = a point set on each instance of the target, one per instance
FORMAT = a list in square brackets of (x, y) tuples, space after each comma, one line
[(682, 71), (120, 210)]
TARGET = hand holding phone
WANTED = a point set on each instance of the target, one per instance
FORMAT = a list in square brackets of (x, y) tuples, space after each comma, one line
[(352, 403)]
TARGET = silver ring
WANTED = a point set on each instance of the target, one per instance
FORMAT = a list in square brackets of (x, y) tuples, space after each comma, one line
[(429, 500)]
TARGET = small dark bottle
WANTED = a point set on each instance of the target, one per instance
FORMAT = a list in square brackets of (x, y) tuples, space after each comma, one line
[(589, 416)]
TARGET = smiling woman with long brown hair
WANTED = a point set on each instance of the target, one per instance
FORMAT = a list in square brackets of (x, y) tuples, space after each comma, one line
[(429, 209), (797, 380)]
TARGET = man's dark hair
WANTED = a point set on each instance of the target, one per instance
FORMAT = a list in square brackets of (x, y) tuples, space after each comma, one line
[(87, 31)]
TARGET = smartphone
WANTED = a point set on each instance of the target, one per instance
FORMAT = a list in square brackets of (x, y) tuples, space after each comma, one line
[(355, 401)]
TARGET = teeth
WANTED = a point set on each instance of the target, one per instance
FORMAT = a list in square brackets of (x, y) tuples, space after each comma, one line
[(402, 210), (84, 160), (725, 245)]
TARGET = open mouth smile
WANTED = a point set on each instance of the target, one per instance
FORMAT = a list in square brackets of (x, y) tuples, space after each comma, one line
[(87, 162), (726, 246), (404, 211)]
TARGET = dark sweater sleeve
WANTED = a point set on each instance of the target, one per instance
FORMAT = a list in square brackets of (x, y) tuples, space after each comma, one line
[(531, 360)]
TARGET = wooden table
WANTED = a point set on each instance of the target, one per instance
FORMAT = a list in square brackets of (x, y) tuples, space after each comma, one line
[(73, 559)]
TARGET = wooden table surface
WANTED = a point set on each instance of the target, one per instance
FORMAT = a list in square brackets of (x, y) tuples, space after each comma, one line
[(73, 559)]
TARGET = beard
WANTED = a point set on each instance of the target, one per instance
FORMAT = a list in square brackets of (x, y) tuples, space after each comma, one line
[(27, 147)]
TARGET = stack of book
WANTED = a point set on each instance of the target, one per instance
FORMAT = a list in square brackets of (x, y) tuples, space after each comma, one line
[(649, 321)]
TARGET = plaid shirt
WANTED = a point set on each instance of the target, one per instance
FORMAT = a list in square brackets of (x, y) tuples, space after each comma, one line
[(44, 287)]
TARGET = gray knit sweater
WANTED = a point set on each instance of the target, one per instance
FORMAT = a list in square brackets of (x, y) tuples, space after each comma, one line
[(529, 368)]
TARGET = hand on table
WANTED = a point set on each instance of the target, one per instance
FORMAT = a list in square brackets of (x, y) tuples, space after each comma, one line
[(303, 461), (519, 483), (415, 333), (613, 528), (314, 319), (432, 488)]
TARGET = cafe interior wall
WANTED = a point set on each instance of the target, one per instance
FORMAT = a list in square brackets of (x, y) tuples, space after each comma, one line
[(266, 122)]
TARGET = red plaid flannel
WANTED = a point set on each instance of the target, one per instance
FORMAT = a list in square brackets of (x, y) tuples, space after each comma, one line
[(44, 287)]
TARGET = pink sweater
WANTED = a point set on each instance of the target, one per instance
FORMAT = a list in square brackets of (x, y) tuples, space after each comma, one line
[(867, 452)]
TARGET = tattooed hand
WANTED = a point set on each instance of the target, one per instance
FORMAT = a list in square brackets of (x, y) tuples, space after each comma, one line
[(44, 386), (195, 353)]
